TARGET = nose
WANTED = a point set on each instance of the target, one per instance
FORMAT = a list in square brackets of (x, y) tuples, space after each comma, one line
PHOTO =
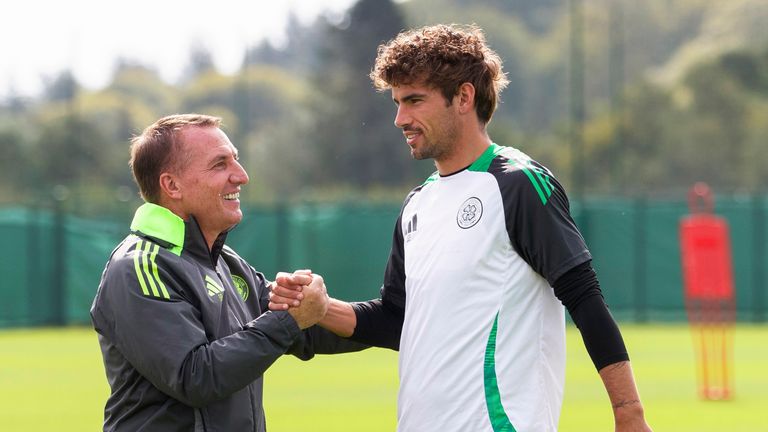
[(402, 119), (239, 176)]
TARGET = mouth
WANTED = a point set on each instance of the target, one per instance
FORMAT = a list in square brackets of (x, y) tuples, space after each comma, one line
[(231, 196), (410, 136)]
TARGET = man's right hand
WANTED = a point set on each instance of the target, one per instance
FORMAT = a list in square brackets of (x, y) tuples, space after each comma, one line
[(313, 300), (287, 293)]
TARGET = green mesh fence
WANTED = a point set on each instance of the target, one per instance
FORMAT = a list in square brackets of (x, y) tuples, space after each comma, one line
[(52, 262)]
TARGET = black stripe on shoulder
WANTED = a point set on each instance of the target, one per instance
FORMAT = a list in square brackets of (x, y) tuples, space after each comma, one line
[(511, 161)]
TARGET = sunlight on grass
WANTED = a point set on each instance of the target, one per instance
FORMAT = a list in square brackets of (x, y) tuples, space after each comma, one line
[(53, 379)]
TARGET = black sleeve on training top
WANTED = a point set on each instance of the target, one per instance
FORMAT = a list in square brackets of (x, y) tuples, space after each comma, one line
[(579, 290), (538, 218), (380, 321), (317, 340), (378, 324), (313, 340)]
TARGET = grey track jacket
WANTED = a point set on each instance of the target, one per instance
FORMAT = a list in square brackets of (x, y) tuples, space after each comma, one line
[(185, 332)]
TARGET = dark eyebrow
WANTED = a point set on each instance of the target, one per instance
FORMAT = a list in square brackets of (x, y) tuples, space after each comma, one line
[(410, 97)]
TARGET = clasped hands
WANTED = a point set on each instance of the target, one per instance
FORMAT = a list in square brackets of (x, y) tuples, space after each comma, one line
[(302, 294)]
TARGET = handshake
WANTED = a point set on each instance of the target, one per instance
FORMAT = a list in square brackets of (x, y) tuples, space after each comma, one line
[(302, 294)]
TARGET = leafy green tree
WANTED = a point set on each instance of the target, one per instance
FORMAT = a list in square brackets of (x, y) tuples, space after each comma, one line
[(73, 149), (353, 135), (299, 55), (674, 92), (200, 63), (140, 86), (13, 165), (62, 88)]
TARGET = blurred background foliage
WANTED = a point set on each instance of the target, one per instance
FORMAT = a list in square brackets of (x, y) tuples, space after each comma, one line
[(617, 97)]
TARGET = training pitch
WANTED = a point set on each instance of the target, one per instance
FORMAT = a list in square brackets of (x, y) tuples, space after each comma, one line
[(52, 379)]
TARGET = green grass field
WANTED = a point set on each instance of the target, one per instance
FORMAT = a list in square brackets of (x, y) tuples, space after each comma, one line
[(52, 379)]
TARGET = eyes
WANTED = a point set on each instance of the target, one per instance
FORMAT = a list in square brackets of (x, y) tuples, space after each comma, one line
[(410, 101), (223, 163), (409, 98)]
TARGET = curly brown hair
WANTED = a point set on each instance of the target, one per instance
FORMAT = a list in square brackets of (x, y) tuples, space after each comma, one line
[(444, 57), (158, 149)]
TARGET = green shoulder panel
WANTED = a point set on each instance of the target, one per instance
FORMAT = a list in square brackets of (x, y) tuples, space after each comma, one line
[(482, 163), (431, 178)]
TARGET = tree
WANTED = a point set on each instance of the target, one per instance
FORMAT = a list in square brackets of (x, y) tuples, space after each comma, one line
[(538, 15), (13, 163), (300, 53), (61, 88), (73, 152), (200, 63), (353, 135), (136, 83)]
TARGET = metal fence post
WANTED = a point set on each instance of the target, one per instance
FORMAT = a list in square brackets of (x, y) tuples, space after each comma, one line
[(641, 294), (59, 250), (34, 265), (758, 258)]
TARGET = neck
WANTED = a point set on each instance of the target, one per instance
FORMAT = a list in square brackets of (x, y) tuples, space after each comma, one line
[(466, 150), (174, 207), (210, 236), (209, 239), (178, 211)]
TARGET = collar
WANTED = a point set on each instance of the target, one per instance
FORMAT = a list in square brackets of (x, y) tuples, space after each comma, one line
[(173, 233), (482, 163)]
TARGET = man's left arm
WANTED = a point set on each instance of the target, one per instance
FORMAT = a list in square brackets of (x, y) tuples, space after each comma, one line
[(579, 290), (544, 234), (619, 382)]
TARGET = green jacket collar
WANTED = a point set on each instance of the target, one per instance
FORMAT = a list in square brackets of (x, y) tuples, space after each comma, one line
[(160, 223)]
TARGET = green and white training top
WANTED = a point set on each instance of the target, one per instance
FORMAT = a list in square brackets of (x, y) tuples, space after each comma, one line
[(474, 256)]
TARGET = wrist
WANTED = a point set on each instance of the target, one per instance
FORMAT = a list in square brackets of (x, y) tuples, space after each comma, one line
[(628, 411), (339, 318)]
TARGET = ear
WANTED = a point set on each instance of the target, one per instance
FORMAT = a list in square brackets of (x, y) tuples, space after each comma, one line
[(169, 186), (466, 98)]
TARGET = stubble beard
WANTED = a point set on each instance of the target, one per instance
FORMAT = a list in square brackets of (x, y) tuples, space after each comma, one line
[(439, 147), (429, 151)]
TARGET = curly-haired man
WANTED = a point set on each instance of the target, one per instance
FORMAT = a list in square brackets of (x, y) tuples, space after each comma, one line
[(484, 256)]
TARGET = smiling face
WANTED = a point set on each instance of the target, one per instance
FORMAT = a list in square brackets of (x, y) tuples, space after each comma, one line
[(428, 121), (207, 183)]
